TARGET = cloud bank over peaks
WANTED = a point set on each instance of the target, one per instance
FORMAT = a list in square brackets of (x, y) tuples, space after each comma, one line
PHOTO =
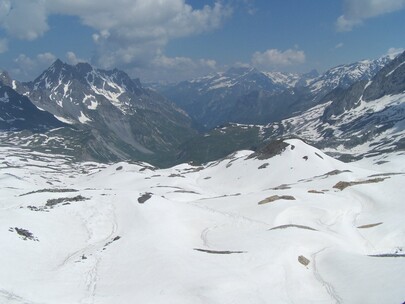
[(24, 19), (174, 69), (356, 11), (26, 67), (127, 33), (72, 59), (273, 58)]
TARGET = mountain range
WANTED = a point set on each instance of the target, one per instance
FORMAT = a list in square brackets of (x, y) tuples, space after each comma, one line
[(349, 122), (96, 114), (247, 95)]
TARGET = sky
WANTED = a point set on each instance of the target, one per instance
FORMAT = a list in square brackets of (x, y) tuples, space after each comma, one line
[(173, 40)]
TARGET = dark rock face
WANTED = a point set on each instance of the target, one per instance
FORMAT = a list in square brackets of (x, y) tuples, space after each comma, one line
[(343, 100), (390, 81), (18, 113)]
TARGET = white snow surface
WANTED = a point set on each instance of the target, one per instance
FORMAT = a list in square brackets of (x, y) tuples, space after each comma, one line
[(202, 237), (83, 118), (62, 119)]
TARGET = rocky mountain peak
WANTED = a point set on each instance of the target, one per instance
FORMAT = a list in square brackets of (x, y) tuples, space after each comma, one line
[(5, 78)]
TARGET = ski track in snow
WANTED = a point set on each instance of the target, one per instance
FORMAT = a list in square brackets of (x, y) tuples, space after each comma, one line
[(93, 251), (12, 298), (328, 286), (233, 216)]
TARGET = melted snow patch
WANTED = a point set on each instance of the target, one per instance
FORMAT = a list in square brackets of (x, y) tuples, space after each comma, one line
[(83, 118), (394, 69), (64, 120), (92, 100), (66, 88), (110, 90)]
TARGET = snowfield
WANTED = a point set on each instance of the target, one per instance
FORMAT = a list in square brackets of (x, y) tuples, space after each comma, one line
[(297, 227)]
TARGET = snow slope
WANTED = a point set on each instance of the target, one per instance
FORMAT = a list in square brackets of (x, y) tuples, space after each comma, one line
[(245, 229)]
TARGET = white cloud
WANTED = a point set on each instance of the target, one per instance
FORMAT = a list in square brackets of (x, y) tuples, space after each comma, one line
[(27, 67), (3, 45), (127, 32), (394, 51), (24, 19), (276, 58), (173, 69), (72, 59), (5, 7), (356, 11), (339, 45)]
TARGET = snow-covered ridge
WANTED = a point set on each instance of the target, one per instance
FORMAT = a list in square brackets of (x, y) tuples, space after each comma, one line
[(236, 230), (345, 75), (242, 76)]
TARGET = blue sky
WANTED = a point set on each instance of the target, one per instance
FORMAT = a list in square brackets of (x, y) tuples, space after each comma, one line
[(173, 40)]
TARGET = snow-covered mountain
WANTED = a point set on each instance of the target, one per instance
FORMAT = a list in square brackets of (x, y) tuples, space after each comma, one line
[(246, 95), (364, 119), (244, 79), (343, 76), (286, 224), (129, 121)]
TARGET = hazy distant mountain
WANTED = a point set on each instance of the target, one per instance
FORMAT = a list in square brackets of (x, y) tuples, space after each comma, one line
[(210, 100), (364, 119), (246, 95)]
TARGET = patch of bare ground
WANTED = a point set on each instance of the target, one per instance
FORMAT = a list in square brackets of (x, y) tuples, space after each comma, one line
[(264, 166), (326, 175), (218, 251), (386, 174), (270, 150), (24, 234), (388, 255), (369, 225), (53, 190), (64, 200), (186, 191), (144, 197), (176, 175), (275, 198), (316, 192), (282, 187), (303, 260), (293, 226), (343, 185)]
